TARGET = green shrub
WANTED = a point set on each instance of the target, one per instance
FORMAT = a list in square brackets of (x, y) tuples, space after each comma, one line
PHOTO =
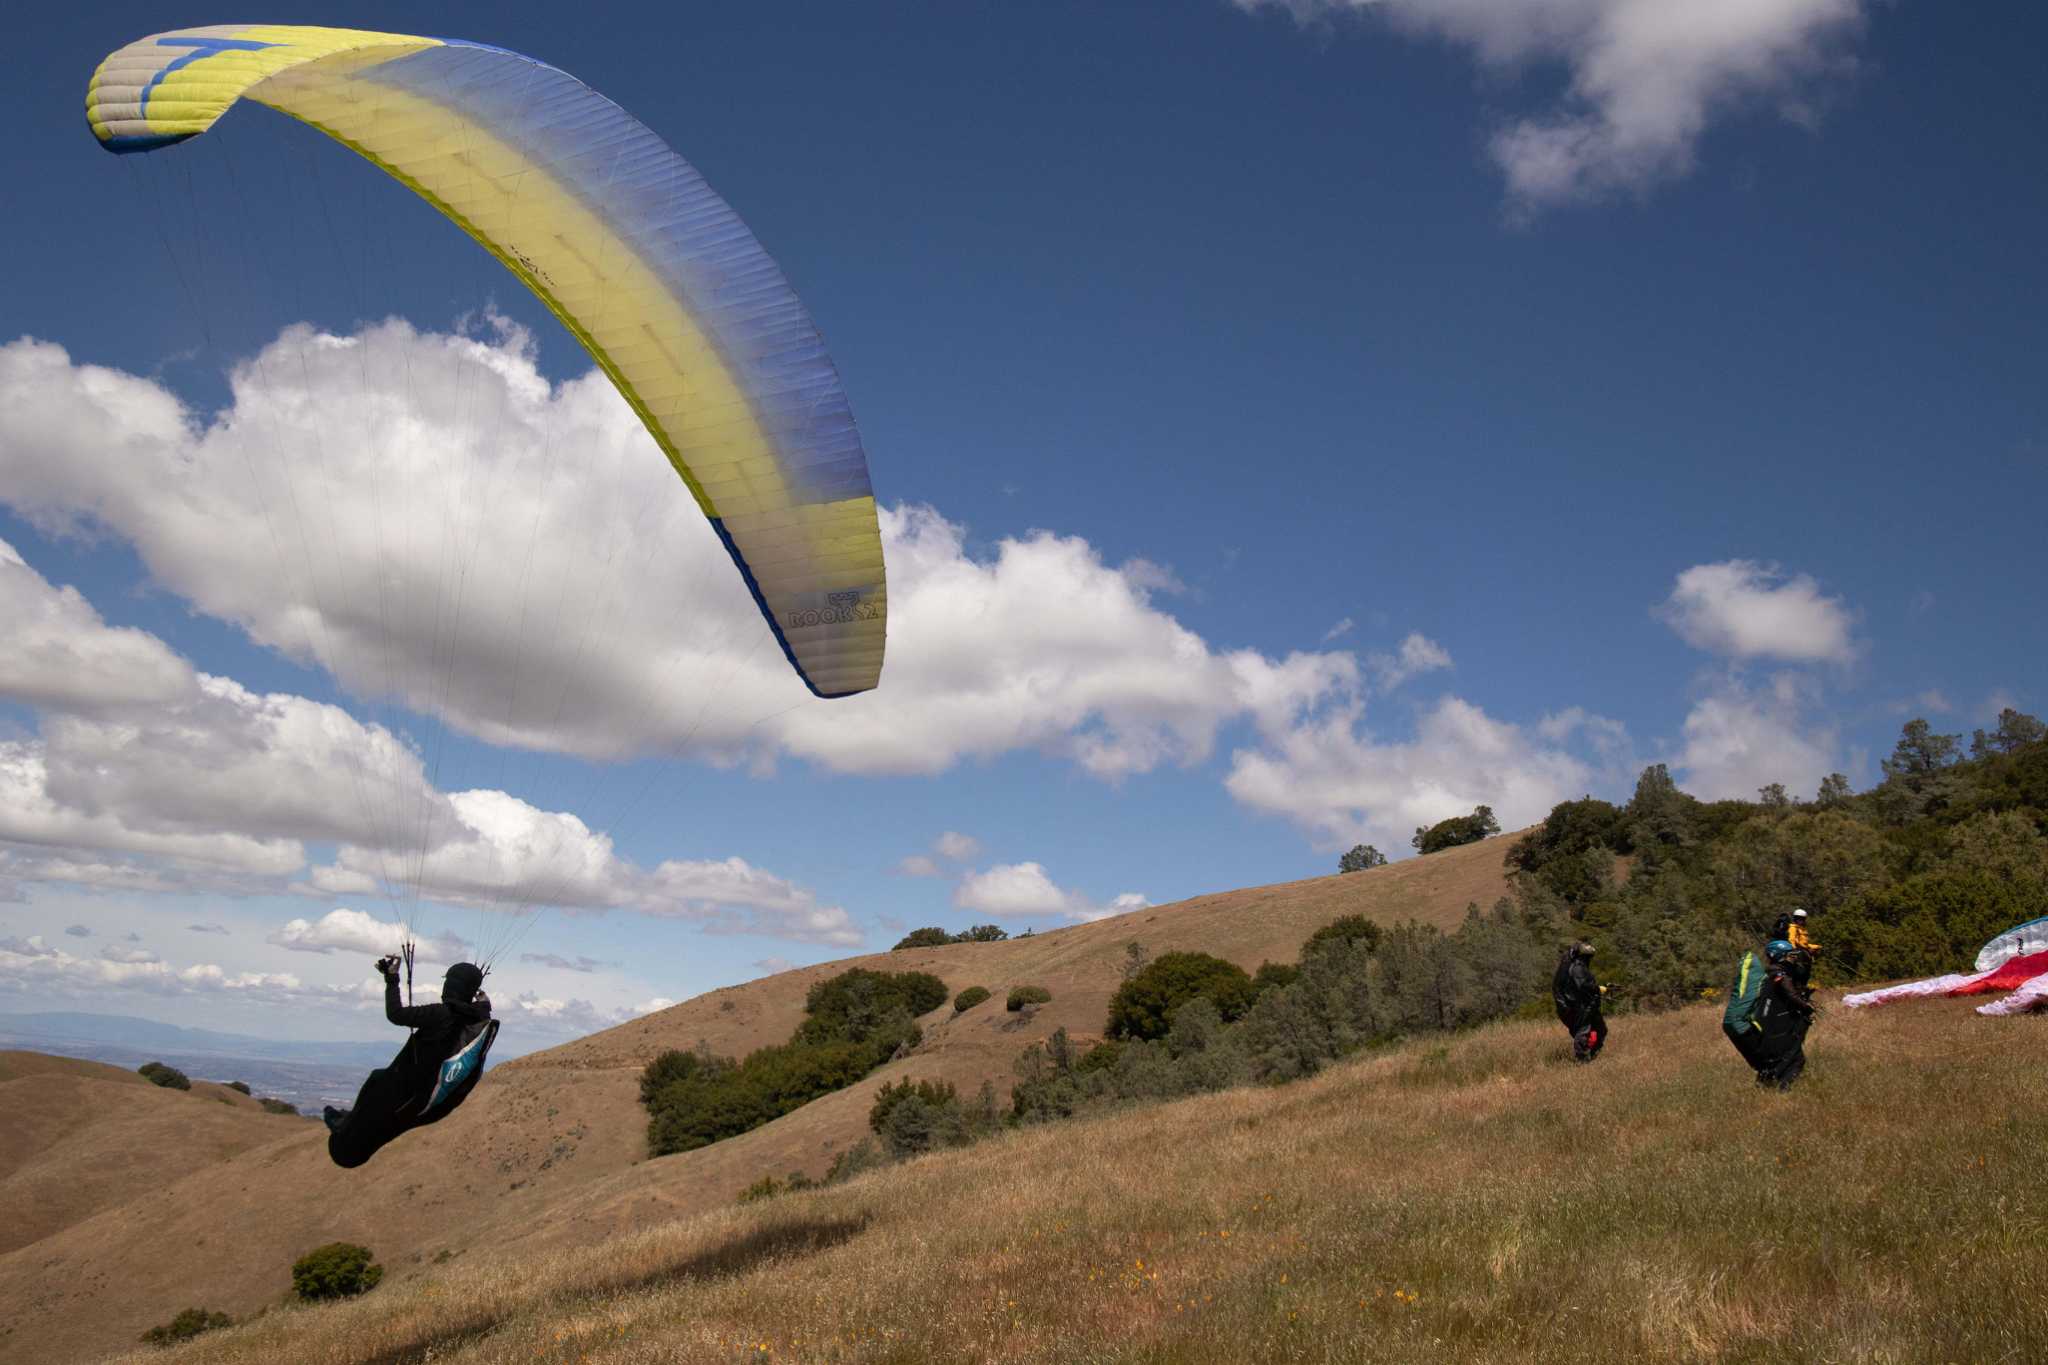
[(856, 1021), (855, 1004), (767, 1187), (915, 1127), (1349, 929), (242, 1086), (674, 1066), (939, 938), (185, 1326), (1361, 858), (167, 1076), (1572, 850), (724, 1099), (1273, 975), (1102, 1057), (865, 1155), (935, 1093), (338, 1270), (271, 1106), (1143, 1006), (915, 1117), (969, 998), (1020, 996), (1777, 859), (1925, 925), (1459, 829)]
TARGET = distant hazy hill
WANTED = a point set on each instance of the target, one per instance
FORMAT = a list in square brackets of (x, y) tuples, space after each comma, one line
[(147, 1035), (304, 1074), (549, 1154)]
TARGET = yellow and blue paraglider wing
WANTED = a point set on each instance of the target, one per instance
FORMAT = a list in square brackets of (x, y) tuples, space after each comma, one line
[(622, 239)]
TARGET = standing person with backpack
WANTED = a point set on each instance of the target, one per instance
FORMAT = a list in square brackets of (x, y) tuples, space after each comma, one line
[(1784, 1013), (1769, 1012), (1577, 996)]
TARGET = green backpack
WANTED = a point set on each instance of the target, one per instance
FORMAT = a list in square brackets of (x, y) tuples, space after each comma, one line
[(1740, 1016)]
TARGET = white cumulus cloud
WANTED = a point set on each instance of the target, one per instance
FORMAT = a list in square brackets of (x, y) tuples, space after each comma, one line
[(204, 784), (1013, 889), (1025, 891), (59, 651), (1644, 78), (29, 965), (1328, 773), (1418, 655), (1741, 609), (572, 1017), (1740, 738), (420, 461), (357, 931)]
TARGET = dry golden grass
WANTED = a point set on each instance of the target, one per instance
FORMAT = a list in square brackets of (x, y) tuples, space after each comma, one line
[(1472, 1199)]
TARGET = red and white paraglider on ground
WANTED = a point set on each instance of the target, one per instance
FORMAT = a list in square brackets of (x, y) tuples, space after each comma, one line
[(2015, 961)]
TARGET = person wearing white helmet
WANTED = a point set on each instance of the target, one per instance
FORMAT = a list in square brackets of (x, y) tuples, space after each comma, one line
[(1791, 928)]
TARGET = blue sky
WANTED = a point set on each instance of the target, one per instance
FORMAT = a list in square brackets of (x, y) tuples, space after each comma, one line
[(1295, 423)]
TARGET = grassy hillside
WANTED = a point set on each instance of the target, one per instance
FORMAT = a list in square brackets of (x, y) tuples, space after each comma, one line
[(1476, 1199), (78, 1137), (549, 1154)]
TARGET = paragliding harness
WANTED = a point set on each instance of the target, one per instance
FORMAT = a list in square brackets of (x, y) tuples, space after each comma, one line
[(1739, 1020), (456, 1077), (1768, 1014), (459, 1072)]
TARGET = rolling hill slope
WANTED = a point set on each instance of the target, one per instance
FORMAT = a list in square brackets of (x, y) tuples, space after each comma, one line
[(1472, 1198), (549, 1153), (78, 1137)]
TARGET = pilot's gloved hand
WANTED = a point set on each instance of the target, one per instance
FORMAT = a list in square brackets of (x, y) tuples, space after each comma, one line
[(387, 966)]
